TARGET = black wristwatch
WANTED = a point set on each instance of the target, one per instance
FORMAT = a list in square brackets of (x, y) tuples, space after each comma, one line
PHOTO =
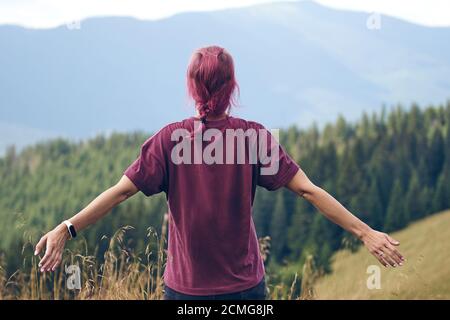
[(70, 228)]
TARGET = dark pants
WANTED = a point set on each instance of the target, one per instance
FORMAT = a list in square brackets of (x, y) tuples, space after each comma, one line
[(256, 293)]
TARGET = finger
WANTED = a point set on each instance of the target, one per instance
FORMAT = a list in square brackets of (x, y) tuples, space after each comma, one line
[(392, 240), (57, 263), (387, 257), (48, 265), (48, 254), (393, 257), (380, 258), (384, 262), (40, 245), (51, 261), (395, 254)]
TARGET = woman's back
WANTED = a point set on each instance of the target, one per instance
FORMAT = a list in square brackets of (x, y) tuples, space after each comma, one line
[(210, 180)]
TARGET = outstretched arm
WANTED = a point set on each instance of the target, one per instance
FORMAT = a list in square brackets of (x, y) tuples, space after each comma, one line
[(381, 245), (54, 241)]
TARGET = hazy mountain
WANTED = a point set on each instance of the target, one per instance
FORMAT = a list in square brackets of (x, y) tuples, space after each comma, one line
[(295, 62)]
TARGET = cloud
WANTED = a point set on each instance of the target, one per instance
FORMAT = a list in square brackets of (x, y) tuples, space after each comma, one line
[(52, 13), (430, 12)]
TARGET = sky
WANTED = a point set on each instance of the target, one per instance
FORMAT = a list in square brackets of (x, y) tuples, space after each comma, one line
[(52, 13)]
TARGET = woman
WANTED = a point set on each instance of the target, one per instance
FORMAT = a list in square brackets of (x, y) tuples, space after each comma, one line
[(209, 166)]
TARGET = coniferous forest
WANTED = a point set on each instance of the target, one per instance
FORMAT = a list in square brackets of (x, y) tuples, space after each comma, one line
[(389, 168)]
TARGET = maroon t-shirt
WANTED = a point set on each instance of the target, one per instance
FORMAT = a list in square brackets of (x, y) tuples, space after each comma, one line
[(212, 246)]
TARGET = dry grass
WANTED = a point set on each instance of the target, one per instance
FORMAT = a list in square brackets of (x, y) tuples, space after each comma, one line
[(125, 275), (122, 275), (425, 275)]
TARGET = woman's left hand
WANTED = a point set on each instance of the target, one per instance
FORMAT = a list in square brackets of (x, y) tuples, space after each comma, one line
[(383, 247), (53, 242)]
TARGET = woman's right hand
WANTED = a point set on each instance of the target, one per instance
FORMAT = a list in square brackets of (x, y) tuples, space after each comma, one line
[(53, 242)]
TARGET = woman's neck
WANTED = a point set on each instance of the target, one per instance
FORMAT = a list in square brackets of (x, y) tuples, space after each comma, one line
[(213, 116)]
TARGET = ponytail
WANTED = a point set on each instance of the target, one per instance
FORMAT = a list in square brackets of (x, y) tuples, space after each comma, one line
[(211, 82)]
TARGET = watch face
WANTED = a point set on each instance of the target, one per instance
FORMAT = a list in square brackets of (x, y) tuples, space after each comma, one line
[(72, 231)]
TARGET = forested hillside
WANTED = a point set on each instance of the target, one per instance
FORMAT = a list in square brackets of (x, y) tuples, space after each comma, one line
[(389, 169)]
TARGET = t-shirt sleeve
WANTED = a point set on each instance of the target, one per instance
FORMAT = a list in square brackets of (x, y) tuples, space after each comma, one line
[(276, 167), (148, 172)]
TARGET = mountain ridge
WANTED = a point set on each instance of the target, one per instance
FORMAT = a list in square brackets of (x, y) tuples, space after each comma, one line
[(296, 63)]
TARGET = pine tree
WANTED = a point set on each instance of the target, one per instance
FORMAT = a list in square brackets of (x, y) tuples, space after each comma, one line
[(349, 176), (374, 205), (299, 228), (436, 156), (323, 241), (441, 198), (278, 228), (262, 212), (414, 205), (395, 215)]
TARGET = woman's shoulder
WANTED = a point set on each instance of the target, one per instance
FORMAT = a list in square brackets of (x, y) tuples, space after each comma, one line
[(172, 126), (249, 124), (245, 123)]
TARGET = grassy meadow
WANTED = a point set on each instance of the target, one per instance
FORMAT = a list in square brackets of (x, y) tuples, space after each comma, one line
[(124, 275), (425, 275)]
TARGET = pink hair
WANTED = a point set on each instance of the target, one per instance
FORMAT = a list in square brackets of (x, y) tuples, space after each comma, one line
[(211, 82)]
